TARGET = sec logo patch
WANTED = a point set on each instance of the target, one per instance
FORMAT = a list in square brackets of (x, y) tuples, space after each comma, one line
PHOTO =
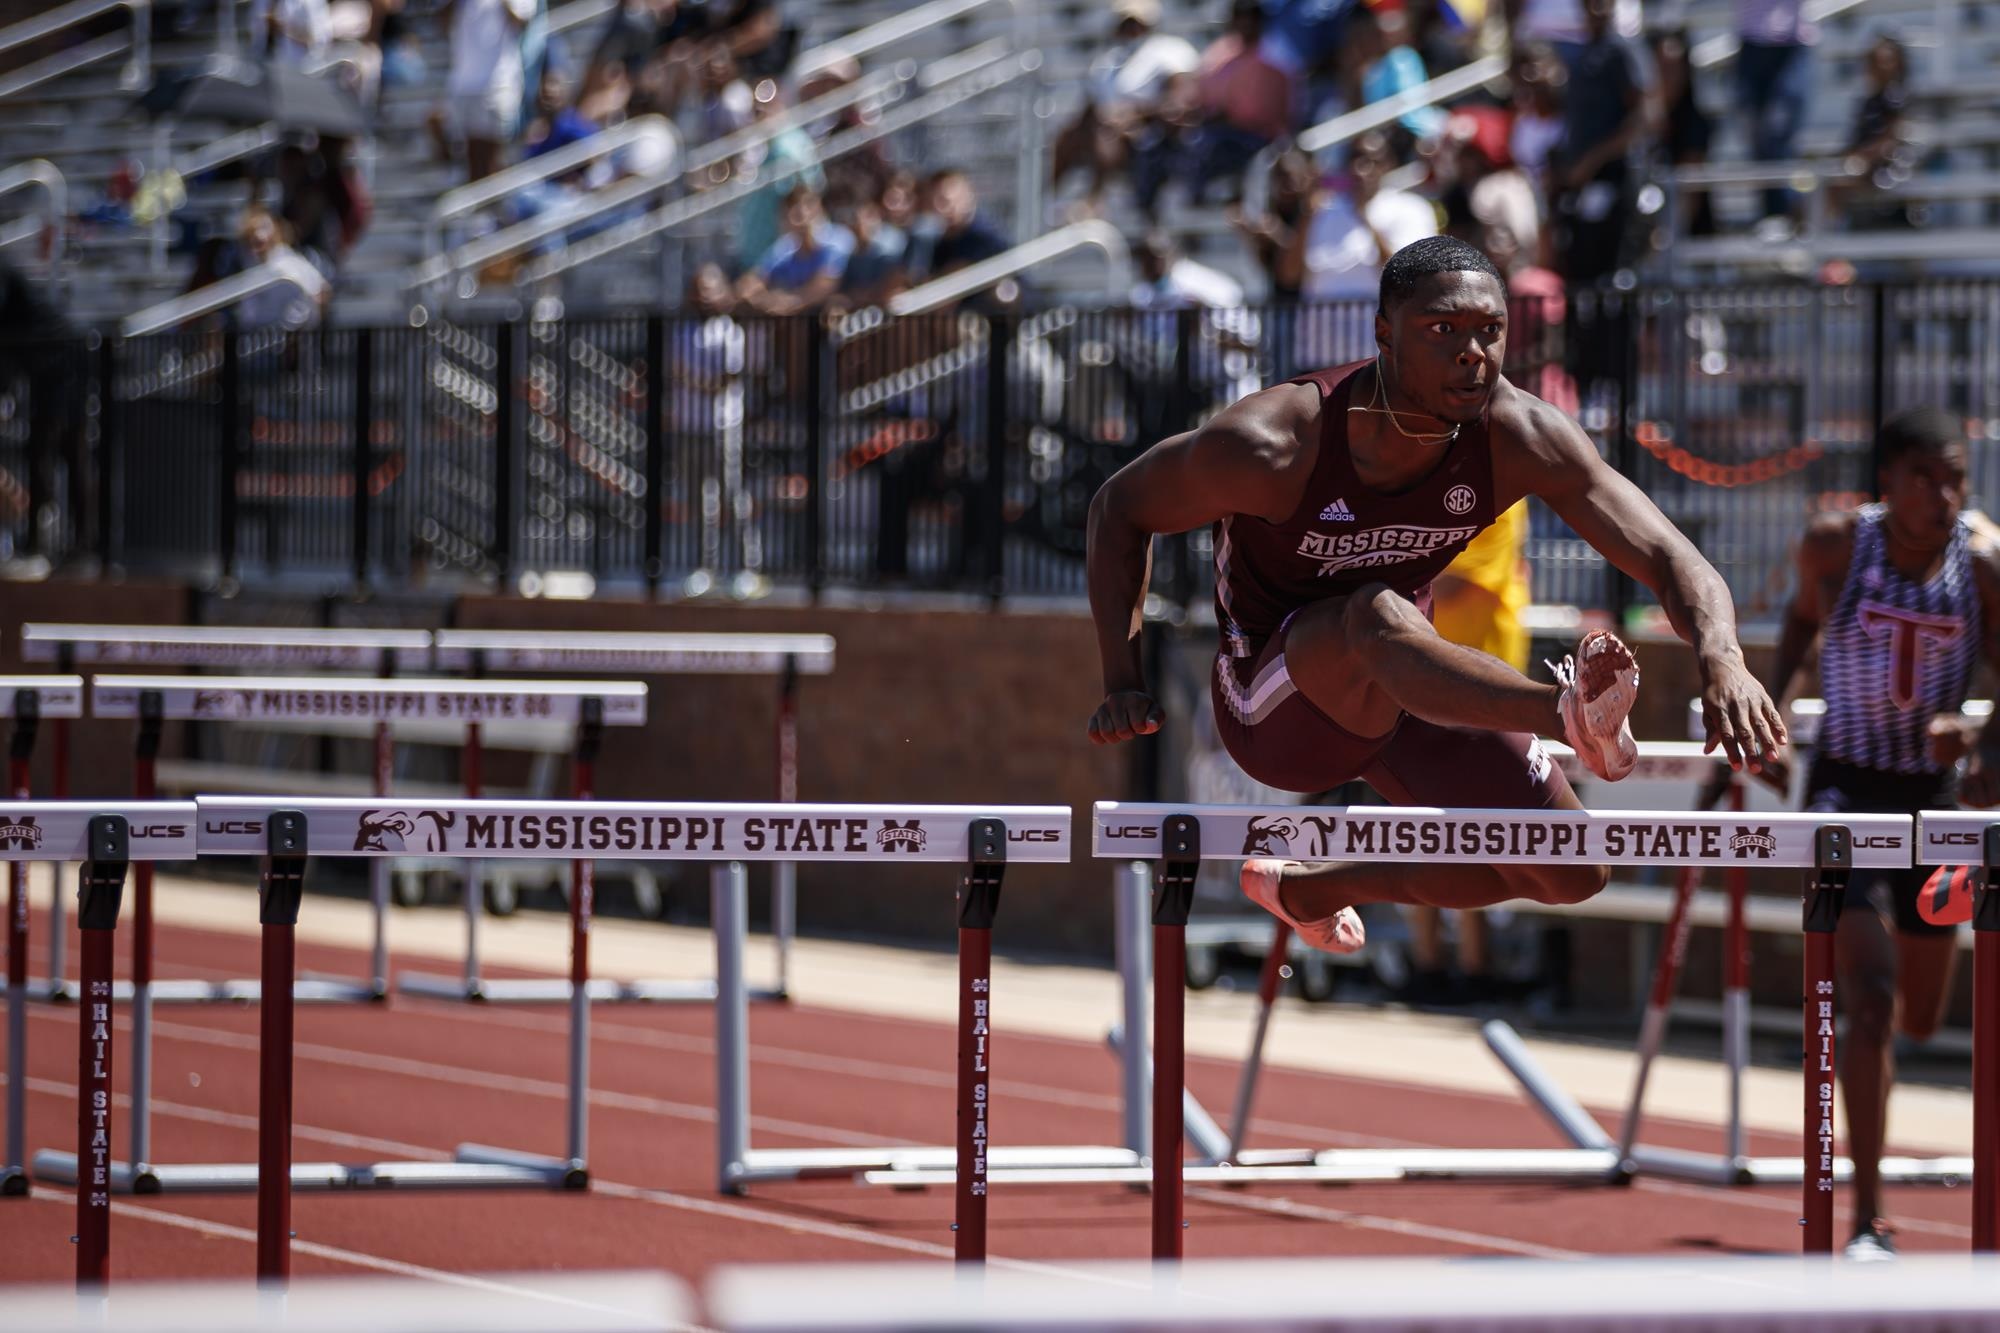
[(1459, 499)]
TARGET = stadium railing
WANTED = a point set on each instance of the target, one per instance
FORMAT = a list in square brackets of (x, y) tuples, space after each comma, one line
[(138, 42), (38, 173)]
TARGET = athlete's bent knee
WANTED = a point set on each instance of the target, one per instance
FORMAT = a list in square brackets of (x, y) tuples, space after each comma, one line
[(1373, 613)]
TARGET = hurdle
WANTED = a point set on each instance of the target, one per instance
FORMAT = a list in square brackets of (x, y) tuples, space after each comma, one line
[(984, 840), (1684, 760), (785, 656), (380, 651), (105, 838), (391, 829), (1181, 837)]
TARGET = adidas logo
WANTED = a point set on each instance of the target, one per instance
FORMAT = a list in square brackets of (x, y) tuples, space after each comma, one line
[(1337, 512)]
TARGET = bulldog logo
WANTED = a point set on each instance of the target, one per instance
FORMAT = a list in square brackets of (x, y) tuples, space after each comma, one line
[(397, 830), (1301, 837)]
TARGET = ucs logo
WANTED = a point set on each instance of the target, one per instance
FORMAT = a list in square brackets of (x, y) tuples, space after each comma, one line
[(906, 836), (1308, 837), (23, 833), (1757, 842), (1033, 835), (393, 830)]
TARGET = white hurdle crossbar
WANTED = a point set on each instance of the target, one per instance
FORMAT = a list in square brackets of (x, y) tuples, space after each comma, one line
[(583, 706), (785, 656), (260, 648), (1180, 837)]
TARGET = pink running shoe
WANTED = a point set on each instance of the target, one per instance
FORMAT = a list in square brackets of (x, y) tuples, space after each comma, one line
[(1599, 686), (1340, 933)]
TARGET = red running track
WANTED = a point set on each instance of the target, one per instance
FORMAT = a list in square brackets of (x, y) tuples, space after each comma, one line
[(414, 1078)]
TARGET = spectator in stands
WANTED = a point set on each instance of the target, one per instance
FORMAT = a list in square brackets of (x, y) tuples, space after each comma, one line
[(1563, 25), (293, 31), (804, 266), (1245, 100), (1539, 81), (758, 36), (1270, 234), (1608, 116), (1123, 89), (724, 103), (876, 270), (1170, 281), (1536, 315), (1390, 66), (1304, 35), (860, 171), (1339, 253), (1686, 130), (557, 123), (1773, 82), (955, 233), (902, 203), (263, 239), (1878, 147), (705, 413), (1482, 183), (483, 89), (323, 202), (788, 160)]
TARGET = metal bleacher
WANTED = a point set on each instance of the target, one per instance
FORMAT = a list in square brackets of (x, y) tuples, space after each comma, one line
[(73, 110)]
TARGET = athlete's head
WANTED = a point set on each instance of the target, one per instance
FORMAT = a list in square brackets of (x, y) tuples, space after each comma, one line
[(1442, 327), (1922, 457)]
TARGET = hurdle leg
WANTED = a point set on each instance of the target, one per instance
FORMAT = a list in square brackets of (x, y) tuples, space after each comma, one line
[(784, 874), (1736, 999), (1834, 847), (1653, 1027), (278, 916), (1173, 900), (1269, 979), (472, 771), (145, 786), (729, 908), (58, 904), (14, 1167), (13, 1170), (1986, 1052), (978, 900), (378, 870), (100, 886), (1130, 906), (583, 881)]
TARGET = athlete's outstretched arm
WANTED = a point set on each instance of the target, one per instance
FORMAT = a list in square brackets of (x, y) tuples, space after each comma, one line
[(1628, 529), (1244, 461)]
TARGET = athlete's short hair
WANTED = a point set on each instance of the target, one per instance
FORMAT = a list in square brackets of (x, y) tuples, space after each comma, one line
[(1434, 254), (1923, 429)]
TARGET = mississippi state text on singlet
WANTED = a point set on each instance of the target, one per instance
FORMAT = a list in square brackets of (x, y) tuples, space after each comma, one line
[(1344, 535)]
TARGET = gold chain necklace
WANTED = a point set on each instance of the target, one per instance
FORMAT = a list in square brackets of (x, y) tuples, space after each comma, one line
[(1379, 402)]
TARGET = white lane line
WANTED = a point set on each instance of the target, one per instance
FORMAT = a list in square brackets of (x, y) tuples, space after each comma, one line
[(547, 1089), (1771, 1203), (352, 1258), (783, 1057), (1393, 1225), (792, 1223)]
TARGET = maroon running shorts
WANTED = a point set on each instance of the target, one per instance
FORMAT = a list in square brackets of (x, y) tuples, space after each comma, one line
[(1277, 736)]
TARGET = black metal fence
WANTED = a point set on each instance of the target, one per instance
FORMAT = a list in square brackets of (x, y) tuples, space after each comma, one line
[(953, 452)]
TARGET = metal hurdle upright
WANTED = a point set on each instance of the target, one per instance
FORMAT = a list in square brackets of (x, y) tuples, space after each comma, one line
[(1181, 837), (381, 652), (391, 829), (28, 701), (784, 656)]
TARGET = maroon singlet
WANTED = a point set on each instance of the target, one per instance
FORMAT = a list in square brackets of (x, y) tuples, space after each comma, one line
[(1344, 535)]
